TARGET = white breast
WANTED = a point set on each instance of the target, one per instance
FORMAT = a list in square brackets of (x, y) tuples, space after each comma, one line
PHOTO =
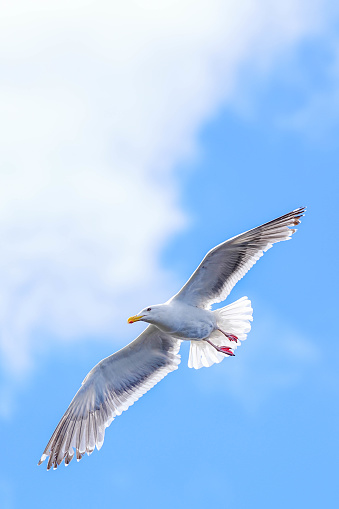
[(187, 322)]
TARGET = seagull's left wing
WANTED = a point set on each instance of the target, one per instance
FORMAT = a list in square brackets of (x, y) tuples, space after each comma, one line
[(225, 264), (113, 385)]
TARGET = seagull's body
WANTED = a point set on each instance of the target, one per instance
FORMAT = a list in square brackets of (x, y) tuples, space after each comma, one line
[(118, 381), (181, 320)]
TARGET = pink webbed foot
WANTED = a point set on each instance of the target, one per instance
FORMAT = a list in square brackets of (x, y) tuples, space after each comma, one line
[(222, 349), (226, 350), (231, 337)]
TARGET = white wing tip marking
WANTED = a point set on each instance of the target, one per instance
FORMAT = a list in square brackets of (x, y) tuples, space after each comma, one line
[(42, 459)]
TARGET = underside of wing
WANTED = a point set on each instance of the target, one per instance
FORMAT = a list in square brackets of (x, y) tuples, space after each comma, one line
[(228, 262), (113, 385)]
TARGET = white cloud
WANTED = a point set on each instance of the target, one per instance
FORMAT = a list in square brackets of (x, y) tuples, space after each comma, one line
[(98, 103), (6, 493), (274, 357), (318, 116)]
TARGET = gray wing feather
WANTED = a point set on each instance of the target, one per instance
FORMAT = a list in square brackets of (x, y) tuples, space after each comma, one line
[(113, 385), (228, 262)]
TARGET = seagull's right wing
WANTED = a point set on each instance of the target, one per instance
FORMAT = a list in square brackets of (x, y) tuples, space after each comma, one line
[(113, 385), (225, 264)]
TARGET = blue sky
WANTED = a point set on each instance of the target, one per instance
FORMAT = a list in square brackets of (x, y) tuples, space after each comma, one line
[(134, 139)]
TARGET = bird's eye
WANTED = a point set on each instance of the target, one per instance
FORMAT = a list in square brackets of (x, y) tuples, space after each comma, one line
[(148, 309)]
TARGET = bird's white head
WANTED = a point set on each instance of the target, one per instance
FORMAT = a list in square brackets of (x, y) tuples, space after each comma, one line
[(152, 314)]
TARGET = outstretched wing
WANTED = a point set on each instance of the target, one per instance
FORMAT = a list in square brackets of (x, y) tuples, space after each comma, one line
[(228, 262), (113, 385)]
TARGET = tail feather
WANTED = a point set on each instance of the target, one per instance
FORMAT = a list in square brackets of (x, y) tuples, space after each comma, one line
[(203, 354), (234, 319)]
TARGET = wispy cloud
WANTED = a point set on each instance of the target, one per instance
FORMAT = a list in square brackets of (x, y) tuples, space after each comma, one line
[(98, 104), (275, 357), (6, 493), (318, 116)]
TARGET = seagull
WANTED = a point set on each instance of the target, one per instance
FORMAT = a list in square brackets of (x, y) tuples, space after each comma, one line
[(119, 380)]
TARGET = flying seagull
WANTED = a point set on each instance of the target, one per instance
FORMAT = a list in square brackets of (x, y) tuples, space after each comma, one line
[(116, 382)]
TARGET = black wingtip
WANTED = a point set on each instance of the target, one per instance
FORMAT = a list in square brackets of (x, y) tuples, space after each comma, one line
[(297, 214)]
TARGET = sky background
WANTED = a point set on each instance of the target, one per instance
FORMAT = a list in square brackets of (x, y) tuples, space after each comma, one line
[(134, 137)]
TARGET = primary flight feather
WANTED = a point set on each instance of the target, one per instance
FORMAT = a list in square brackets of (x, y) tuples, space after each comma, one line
[(116, 382)]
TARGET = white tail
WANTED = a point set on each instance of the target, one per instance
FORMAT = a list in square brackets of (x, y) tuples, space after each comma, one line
[(234, 319)]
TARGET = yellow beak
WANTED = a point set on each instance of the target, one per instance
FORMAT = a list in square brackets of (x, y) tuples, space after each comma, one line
[(135, 318)]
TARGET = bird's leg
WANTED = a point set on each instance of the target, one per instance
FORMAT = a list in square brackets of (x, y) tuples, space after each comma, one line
[(222, 349), (229, 336)]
